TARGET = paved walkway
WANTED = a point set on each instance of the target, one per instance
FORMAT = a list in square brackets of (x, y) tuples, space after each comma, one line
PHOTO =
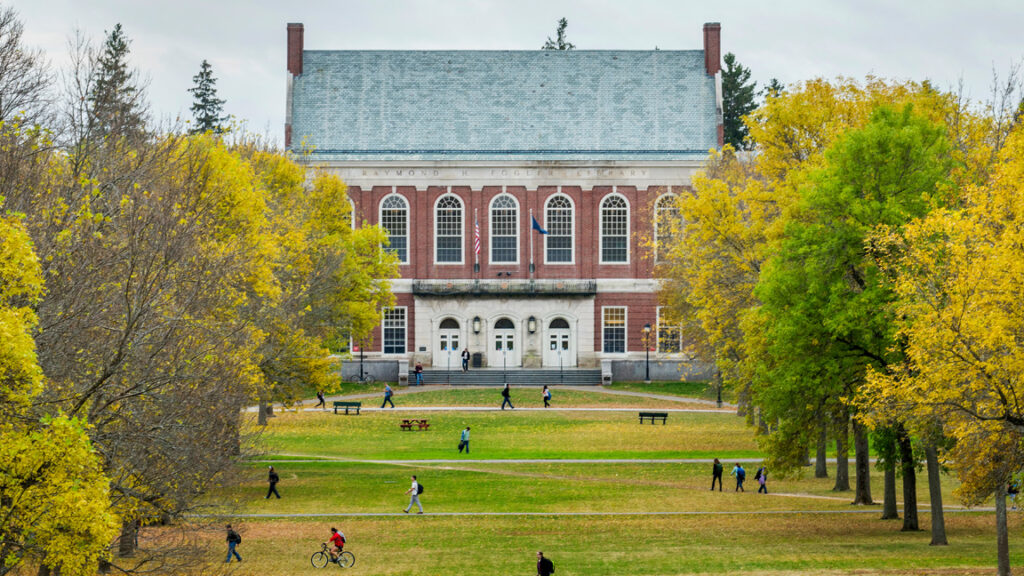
[(309, 405), (868, 510)]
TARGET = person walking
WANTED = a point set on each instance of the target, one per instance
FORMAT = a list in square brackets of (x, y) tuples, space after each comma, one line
[(507, 397), (762, 479), (465, 359), (388, 393), (464, 440), (233, 540), (716, 474), (547, 397), (273, 479), (545, 567), (740, 475), (415, 490), (419, 374), (321, 400)]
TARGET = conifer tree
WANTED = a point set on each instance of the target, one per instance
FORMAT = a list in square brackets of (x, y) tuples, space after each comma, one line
[(116, 99), (559, 43), (207, 109), (738, 94)]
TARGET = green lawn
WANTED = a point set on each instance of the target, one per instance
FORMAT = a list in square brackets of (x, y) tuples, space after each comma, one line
[(511, 434), (528, 398), (647, 545), (361, 464)]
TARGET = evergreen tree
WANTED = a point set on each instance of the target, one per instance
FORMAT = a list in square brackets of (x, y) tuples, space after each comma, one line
[(116, 99), (773, 89), (559, 43), (738, 94), (207, 109)]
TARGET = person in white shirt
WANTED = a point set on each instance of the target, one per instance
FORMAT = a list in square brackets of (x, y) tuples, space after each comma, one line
[(415, 491)]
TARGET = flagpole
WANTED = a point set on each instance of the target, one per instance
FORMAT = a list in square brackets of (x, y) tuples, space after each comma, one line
[(531, 243), (476, 242)]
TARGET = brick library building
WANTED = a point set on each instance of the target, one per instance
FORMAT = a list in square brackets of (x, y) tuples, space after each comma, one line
[(521, 192)]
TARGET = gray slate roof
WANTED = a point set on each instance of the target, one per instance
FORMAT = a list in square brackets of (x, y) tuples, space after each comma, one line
[(504, 105)]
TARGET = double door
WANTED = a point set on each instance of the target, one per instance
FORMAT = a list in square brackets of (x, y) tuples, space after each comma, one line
[(505, 349), (559, 351)]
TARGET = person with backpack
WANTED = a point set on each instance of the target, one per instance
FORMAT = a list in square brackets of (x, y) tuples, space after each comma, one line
[(762, 479), (464, 440), (506, 394), (716, 474), (233, 540), (545, 567), (273, 479), (547, 397), (337, 542), (465, 360), (740, 475), (388, 393), (321, 400), (415, 490), (419, 375)]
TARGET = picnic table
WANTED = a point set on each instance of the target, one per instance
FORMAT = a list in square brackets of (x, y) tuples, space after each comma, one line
[(421, 424)]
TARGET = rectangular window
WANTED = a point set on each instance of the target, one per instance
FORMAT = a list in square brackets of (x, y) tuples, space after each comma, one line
[(669, 336), (614, 330), (394, 328)]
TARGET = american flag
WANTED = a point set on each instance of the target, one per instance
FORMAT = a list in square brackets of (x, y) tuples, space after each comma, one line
[(476, 236)]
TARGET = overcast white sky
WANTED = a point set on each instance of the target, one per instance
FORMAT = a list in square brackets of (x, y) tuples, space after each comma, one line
[(940, 40)]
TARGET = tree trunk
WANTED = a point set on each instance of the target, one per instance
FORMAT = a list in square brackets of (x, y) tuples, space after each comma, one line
[(842, 454), (126, 543), (261, 417), (889, 509), (935, 495), (820, 459), (1002, 536), (862, 456), (909, 480), (806, 461)]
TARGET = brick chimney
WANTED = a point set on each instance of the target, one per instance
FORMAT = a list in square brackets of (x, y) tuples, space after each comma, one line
[(712, 48), (294, 69), (295, 48)]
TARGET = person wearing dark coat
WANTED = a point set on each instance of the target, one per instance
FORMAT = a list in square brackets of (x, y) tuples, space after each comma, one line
[(273, 479), (507, 397)]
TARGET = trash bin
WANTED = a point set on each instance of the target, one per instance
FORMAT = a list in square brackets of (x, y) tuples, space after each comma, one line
[(478, 360)]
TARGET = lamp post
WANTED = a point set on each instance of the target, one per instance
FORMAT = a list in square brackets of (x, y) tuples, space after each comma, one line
[(449, 374), (647, 353), (504, 362)]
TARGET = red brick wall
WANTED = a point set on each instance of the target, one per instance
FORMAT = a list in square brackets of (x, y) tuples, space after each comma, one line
[(586, 248), (640, 309)]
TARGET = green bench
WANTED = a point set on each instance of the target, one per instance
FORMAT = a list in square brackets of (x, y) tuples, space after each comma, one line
[(347, 406), (653, 416)]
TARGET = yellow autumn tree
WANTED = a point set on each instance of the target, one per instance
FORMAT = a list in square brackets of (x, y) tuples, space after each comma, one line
[(54, 495), (959, 274)]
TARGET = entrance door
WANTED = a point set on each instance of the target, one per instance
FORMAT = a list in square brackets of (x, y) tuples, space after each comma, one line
[(449, 352), (505, 348), (559, 348)]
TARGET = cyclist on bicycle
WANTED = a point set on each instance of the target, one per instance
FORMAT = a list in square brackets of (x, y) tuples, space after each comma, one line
[(337, 540)]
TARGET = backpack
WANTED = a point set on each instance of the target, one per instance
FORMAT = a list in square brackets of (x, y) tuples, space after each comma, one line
[(234, 537), (419, 488), (757, 475), (741, 474), (549, 565)]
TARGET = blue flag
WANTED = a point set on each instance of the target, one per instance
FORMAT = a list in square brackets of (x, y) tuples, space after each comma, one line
[(536, 226)]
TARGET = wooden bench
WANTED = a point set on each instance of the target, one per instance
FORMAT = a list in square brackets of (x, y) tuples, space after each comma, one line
[(347, 406), (419, 424), (653, 416)]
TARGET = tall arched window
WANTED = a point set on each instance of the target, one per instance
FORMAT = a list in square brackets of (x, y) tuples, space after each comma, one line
[(352, 213), (558, 221), (666, 214), (614, 230), (504, 230), (394, 217), (448, 230)]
